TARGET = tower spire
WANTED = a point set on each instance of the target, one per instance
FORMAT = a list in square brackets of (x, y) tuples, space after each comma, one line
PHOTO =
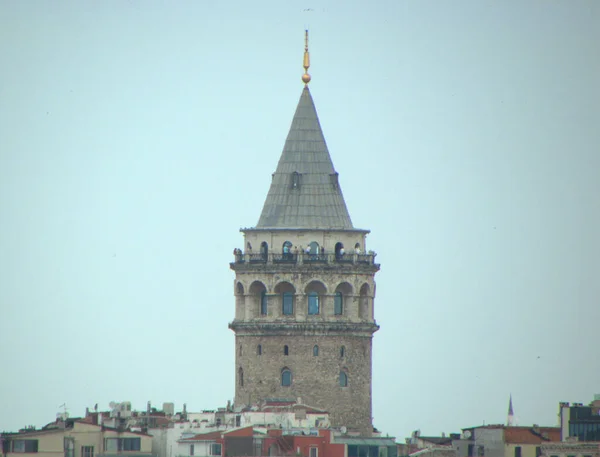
[(306, 76), (511, 416)]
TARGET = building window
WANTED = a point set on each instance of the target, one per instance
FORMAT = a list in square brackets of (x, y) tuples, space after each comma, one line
[(518, 451), (313, 303), (87, 451), (240, 350), (241, 377), (69, 447), (215, 449), (343, 379), (259, 349), (122, 444), (342, 352), (24, 446), (470, 449), (480, 451), (315, 350), (288, 303), (338, 304), (191, 449), (263, 303), (538, 451), (238, 420), (314, 452), (286, 377), (286, 350)]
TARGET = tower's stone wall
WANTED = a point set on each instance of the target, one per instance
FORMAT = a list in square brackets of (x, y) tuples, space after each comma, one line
[(315, 378), (261, 338)]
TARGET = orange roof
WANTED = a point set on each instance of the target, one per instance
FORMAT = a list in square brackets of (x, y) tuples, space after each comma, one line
[(530, 435)]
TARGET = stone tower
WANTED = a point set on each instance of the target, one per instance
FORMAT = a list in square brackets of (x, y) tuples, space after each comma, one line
[(304, 287)]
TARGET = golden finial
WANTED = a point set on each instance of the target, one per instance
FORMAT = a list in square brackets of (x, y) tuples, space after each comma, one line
[(306, 76)]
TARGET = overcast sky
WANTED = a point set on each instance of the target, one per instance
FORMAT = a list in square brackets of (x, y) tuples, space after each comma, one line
[(137, 137)]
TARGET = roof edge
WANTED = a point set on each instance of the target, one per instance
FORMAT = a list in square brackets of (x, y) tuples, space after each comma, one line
[(302, 229)]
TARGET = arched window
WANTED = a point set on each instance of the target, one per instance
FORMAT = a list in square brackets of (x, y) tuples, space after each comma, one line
[(286, 377), (313, 303), (287, 247), (343, 351), (263, 303), (259, 349), (339, 250), (315, 350), (241, 376), (264, 249), (314, 248), (286, 350), (343, 379), (338, 304)]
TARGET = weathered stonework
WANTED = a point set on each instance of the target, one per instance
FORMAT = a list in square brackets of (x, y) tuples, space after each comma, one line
[(305, 287), (261, 338)]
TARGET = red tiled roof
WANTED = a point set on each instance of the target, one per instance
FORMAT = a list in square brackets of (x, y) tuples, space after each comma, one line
[(530, 435)]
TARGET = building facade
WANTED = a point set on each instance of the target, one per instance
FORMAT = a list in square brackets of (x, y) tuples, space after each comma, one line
[(504, 441), (75, 438), (579, 421), (304, 288)]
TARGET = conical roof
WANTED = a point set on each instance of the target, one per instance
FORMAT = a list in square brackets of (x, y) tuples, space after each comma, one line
[(305, 193)]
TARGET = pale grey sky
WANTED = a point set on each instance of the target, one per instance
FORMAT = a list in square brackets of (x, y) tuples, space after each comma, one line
[(137, 137)]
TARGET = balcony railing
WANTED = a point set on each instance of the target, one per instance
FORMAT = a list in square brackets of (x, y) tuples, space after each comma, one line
[(304, 258)]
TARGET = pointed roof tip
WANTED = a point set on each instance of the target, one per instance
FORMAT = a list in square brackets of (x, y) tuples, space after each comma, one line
[(510, 406), (305, 191)]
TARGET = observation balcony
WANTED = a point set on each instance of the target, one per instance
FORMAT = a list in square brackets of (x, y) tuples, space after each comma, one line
[(330, 259)]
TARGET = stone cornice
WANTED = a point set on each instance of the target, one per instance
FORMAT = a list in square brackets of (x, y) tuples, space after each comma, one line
[(250, 328)]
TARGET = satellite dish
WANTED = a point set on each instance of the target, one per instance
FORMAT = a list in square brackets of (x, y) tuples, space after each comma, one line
[(343, 429), (112, 405), (467, 434)]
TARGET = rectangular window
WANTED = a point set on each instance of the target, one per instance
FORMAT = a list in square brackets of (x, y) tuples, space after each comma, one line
[(69, 447), (288, 303), (538, 451), (191, 449), (122, 444), (25, 446), (215, 449), (314, 452), (470, 450), (338, 304), (263, 303), (313, 303), (518, 451), (87, 451), (238, 420)]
